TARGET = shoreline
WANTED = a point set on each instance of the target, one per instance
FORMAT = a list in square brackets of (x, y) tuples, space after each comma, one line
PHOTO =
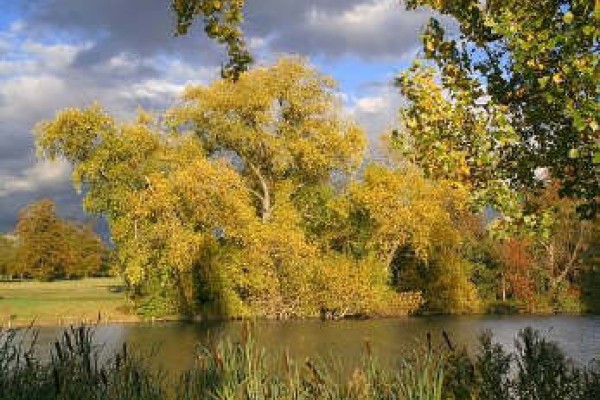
[(136, 319), (101, 301)]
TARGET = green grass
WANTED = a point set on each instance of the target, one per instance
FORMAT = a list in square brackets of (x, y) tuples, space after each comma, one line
[(63, 302)]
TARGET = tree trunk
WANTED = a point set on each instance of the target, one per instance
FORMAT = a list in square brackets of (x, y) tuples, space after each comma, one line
[(391, 256), (569, 263), (264, 196), (266, 205)]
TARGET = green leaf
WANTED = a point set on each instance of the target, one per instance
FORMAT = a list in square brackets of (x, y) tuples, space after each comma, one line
[(573, 153), (568, 17), (543, 81)]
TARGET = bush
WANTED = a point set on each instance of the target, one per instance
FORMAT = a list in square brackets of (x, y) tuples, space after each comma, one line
[(75, 370), (537, 371)]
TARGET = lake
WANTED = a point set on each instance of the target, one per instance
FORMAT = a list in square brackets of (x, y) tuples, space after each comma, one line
[(174, 344)]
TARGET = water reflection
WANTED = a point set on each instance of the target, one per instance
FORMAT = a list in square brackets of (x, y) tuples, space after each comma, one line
[(174, 344)]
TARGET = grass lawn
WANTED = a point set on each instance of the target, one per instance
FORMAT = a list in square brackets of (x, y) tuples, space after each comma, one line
[(63, 302)]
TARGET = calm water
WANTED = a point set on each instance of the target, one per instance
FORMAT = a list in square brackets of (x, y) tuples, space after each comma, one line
[(175, 343)]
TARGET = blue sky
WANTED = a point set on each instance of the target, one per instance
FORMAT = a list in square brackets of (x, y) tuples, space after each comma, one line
[(68, 53)]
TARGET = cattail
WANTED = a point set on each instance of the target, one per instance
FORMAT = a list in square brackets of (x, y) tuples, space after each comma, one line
[(429, 341), (368, 348), (245, 334), (216, 355), (59, 352), (286, 361), (219, 360), (56, 380), (312, 368), (68, 341), (82, 335), (103, 377), (124, 351), (447, 339), (136, 382), (87, 364)]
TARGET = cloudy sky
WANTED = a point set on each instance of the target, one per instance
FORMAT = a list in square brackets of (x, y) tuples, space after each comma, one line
[(61, 53)]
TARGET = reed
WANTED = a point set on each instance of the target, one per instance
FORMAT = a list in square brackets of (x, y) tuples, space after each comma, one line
[(240, 370)]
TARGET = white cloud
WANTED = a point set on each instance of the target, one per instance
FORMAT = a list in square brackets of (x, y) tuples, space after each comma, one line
[(10, 69), (53, 57), (44, 174), (361, 16), (372, 29), (153, 89), (376, 111), (29, 97), (38, 79), (371, 105)]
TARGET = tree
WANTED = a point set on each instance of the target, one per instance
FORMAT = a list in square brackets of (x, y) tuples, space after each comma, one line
[(561, 246), (454, 139), (50, 247), (172, 228), (87, 252), (8, 247), (208, 211), (281, 123), (167, 205), (530, 72), (519, 273), (590, 276), (41, 252)]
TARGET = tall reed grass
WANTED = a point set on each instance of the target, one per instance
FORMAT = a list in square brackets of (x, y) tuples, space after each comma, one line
[(78, 369)]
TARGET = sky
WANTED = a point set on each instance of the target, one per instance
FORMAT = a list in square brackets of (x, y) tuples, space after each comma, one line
[(69, 53)]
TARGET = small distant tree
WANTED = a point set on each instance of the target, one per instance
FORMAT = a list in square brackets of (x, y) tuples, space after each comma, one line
[(564, 239), (50, 247), (7, 255), (517, 270), (87, 251)]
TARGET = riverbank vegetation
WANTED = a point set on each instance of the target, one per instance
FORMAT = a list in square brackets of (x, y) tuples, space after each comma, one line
[(252, 198), (78, 369), (252, 195)]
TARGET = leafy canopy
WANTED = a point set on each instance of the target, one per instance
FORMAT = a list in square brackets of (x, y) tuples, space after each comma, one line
[(282, 123), (529, 70), (49, 247)]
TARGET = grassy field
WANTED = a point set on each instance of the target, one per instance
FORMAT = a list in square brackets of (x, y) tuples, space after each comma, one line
[(63, 302)]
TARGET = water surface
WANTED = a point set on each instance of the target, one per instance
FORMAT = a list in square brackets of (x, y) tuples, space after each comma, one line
[(174, 344)]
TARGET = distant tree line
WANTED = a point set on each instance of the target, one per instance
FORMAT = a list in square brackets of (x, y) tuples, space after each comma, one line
[(44, 246)]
